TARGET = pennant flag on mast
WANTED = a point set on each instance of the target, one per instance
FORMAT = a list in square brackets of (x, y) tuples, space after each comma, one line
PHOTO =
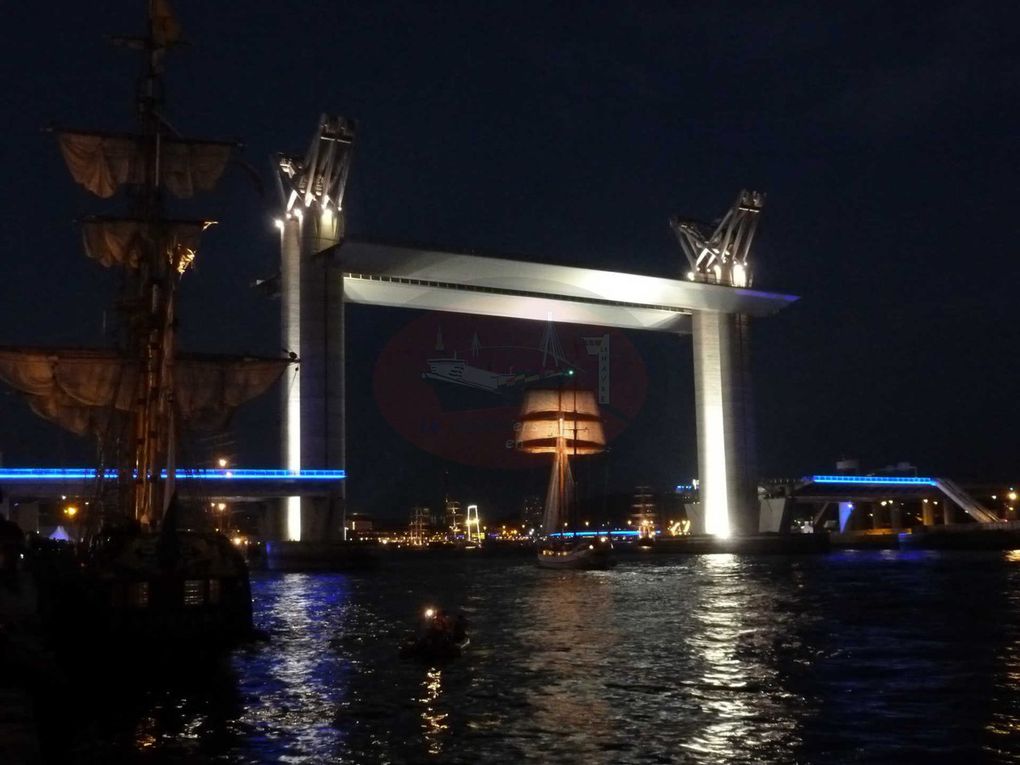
[(166, 31)]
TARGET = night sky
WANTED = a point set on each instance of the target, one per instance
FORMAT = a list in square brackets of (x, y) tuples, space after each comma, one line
[(885, 134)]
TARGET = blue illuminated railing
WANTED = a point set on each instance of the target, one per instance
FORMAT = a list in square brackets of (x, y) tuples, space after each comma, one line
[(603, 533), (685, 487), (222, 474), (873, 480)]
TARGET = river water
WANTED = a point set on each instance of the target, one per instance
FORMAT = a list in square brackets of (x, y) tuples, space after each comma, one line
[(873, 656)]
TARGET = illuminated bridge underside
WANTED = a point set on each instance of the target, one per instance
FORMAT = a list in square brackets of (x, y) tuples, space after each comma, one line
[(715, 315), (441, 281)]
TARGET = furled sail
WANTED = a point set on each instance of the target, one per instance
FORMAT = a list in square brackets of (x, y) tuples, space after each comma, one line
[(209, 388), (125, 241), (561, 422), (102, 162), (552, 418), (77, 388)]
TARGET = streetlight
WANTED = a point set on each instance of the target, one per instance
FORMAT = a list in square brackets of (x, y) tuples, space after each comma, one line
[(71, 511)]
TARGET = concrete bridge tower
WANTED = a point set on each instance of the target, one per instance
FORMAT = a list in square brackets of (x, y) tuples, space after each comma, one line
[(722, 371), (312, 316)]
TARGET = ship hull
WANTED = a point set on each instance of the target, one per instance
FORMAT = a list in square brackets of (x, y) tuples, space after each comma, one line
[(183, 591), (584, 556)]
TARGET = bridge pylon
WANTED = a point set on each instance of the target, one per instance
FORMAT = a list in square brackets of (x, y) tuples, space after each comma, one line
[(312, 319), (719, 255)]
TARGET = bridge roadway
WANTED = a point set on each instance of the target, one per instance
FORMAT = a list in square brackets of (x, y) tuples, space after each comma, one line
[(847, 490), (223, 484)]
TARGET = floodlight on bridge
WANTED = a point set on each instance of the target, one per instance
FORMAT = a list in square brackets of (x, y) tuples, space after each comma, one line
[(319, 179), (719, 255)]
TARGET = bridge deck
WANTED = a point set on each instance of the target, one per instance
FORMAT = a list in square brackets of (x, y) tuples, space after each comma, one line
[(232, 484), (404, 277)]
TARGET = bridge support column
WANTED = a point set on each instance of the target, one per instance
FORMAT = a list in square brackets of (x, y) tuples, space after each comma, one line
[(313, 397), (722, 393), (896, 517), (290, 338), (311, 197)]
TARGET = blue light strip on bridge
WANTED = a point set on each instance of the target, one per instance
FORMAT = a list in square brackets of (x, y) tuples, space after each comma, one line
[(872, 480), (240, 474), (603, 533)]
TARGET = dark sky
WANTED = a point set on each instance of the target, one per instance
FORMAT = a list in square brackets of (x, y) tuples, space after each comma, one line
[(885, 134)]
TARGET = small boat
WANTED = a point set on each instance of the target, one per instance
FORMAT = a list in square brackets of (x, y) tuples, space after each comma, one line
[(592, 554), (645, 543), (440, 637)]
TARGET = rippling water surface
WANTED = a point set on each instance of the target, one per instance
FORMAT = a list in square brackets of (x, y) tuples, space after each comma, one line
[(853, 656)]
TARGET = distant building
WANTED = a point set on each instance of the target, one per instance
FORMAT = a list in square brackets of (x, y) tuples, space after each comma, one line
[(360, 522), (848, 466), (531, 513), (852, 466), (903, 469), (361, 528)]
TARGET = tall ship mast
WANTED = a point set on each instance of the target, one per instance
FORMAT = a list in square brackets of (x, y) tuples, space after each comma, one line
[(136, 398), (142, 580), (564, 423)]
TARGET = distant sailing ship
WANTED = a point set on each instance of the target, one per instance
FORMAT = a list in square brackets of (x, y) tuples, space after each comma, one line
[(143, 580), (564, 423)]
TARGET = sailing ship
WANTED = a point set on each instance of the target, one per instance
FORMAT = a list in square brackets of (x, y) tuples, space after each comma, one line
[(142, 579), (456, 371), (565, 423), (462, 384)]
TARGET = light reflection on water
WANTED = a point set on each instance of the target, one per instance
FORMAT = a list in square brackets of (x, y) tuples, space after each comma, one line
[(885, 657), (433, 720), (1003, 725), (718, 613), (567, 632), (302, 684)]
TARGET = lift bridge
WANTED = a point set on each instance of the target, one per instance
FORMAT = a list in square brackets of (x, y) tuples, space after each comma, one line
[(321, 271)]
